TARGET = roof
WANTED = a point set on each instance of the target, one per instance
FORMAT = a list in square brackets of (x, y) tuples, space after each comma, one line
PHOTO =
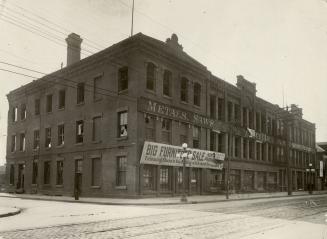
[(319, 149)]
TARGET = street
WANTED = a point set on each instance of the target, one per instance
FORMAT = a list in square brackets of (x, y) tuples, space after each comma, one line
[(287, 217)]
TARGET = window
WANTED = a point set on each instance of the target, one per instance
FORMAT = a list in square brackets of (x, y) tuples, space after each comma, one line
[(61, 134), (123, 79), (164, 178), (237, 149), (80, 93), (150, 128), (60, 170), (96, 126), (220, 108), (221, 143), (212, 141), (79, 131), (46, 171), (48, 137), (245, 118), (149, 178), (36, 141), (13, 143), (197, 94), (213, 106), (22, 142), (121, 171), (35, 171), (184, 89), (12, 174), (245, 148), (37, 104), (23, 112), (229, 111), (183, 133), (166, 84), (96, 172), (49, 104), (150, 76), (62, 99), (251, 149), (166, 131), (237, 113), (97, 84), (122, 124), (258, 148), (14, 114), (196, 137)]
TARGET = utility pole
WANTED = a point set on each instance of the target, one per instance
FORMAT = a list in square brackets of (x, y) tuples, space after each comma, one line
[(289, 172), (132, 19)]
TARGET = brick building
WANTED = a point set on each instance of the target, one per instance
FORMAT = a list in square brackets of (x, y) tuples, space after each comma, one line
[(92, 124)]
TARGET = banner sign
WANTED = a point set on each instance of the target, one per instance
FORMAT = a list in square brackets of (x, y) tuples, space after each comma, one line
[(164, 154)]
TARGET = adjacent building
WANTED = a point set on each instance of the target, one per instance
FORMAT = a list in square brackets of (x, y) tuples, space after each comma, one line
[(112, 125)]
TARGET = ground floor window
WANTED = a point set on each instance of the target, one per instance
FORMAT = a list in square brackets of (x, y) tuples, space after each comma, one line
[(215, 178), (164, 179), (46, 170), (235, 179), (149, 177), (248, 180), (60, 169), (12, 174), (96, 171), (121, 171), (272, 181), (261, 181), (35, 172)]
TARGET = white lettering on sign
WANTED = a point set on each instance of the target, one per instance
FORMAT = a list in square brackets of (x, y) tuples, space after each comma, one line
[(164, 154)]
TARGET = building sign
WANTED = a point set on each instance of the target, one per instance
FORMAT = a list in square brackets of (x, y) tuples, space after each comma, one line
[(153, 107), (321, 169), (260, 137), (164, 154), (301, 147)]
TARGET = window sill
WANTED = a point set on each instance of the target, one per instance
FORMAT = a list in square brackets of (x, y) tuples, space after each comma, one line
[(123, 92), (122, 138), (197, 107), (121, 187), (184, 102), (61, 109), (60, 146), (95, 187), (167, 97), (46, 185), (59, 186), (150, 91), (34, 185), (80, 103), (79, 144), (97, 99), (96, 141), (49, 113), (36, 149)]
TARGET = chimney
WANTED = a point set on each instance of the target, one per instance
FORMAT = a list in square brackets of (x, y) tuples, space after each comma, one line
[(73, 48)]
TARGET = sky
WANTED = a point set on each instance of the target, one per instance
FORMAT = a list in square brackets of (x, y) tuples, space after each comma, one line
[(280, 45)]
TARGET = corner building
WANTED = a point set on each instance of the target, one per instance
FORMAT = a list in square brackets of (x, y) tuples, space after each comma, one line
[(85, 127)]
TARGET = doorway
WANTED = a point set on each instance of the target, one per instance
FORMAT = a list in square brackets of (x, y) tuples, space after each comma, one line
[(21, 178)]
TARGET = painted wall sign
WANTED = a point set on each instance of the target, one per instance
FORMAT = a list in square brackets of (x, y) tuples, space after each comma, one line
[(164, 154), (151, 106)]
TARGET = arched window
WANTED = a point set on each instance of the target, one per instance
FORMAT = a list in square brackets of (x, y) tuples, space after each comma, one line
[(167, 83), (150, 76), (184, 89)]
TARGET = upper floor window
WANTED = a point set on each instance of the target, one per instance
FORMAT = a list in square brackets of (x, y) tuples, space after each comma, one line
[(122, 124), (49, 104), (166, 131), (22, 142), (23, 112), (79, 131), (96, 134), (221, 108), (13, 143), (14, 114), (80, 93), (123, 78), (197, 94), (37, 104), (213, 106), (62, 99), (61, 134), (48, 137), (150, 76), (196, 137), (97, 84), (166, 84), (150, 128), (36, 142), (184, 89)]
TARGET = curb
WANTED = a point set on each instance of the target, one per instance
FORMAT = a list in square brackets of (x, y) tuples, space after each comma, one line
[(11, 213), (159, 203)]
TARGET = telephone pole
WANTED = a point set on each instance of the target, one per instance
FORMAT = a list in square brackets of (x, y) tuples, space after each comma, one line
[(132, 19)]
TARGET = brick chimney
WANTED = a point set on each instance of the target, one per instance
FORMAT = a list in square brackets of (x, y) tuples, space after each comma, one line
[(73, 48)]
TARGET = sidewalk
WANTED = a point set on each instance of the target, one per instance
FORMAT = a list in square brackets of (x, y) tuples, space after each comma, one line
[(159, 200)]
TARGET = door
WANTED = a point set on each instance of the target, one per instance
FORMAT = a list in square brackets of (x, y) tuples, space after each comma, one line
[(78, 176), (21, 178)]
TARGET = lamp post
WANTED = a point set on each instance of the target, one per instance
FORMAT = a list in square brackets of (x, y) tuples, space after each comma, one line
[(184, 155), (310, 170)]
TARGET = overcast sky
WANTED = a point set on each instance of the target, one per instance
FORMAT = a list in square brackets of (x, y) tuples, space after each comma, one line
[(279, 44)]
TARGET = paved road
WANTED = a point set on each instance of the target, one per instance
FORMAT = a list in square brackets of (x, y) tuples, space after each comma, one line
[(296, 217)]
